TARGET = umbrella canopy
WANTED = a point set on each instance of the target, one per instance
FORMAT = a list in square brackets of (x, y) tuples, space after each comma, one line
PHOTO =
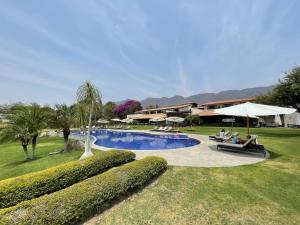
[(116, 120), (127, 120), (175, 119), (249, 109), (102, 121), (158, 119)]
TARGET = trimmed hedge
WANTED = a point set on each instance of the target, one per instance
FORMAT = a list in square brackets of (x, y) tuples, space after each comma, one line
[(31, 185), (76, 203)]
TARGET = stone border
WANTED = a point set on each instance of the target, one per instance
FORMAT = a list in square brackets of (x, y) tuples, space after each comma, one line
[(204, 154)]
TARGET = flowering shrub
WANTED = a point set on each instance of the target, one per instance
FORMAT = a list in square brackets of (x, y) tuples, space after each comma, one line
[(126, 108)]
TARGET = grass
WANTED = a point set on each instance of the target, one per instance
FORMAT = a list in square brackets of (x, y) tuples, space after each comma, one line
[(264, 193), (12, 161)]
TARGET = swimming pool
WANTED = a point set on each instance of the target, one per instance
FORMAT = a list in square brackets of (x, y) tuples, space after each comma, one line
[(142, 141)]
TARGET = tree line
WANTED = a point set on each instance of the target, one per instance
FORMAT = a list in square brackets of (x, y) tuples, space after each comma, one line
[(286, 93), (25, 122)]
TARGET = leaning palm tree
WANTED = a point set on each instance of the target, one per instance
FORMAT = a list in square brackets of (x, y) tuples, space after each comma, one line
[(64, 118), (88, 94)]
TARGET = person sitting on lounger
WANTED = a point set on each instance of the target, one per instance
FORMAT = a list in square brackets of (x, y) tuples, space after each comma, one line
[(222, 133), (234, 139)]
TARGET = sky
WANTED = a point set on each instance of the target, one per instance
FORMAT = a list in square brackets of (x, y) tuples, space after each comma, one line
[(137, 49)]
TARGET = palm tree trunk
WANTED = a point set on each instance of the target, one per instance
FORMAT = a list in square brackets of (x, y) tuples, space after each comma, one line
[(34, 140), (24, 143), (66, 138), (87, 150), (26, 151)]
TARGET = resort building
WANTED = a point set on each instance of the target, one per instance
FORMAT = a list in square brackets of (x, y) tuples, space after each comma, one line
[(180, 110), (207, 115), (188, 108), (224, 103), (144, 118)]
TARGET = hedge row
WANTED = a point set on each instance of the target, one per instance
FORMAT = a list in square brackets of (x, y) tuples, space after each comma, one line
[(14, 190), (76, 203)]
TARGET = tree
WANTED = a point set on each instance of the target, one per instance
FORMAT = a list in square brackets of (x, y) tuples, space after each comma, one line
[(17, 127), (192, 120), (286, 93), (63, 117), (89, 95), (98, 111), (37, 119), (80, 115), (108, 110), (129, 107), (16, 130)]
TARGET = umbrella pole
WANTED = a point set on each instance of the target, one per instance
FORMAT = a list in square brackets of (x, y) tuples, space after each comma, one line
[(232, 124), (248, 125)]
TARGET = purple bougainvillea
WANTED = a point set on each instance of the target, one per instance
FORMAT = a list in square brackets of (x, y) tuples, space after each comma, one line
[(126, 108)]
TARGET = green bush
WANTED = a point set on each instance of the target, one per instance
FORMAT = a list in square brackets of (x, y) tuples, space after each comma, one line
[(28, 186), (76, 203), (192, 120)]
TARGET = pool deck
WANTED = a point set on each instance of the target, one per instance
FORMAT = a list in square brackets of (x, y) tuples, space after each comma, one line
[(202, 155)]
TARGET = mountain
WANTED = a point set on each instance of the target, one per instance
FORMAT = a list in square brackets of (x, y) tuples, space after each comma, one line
[(208, 97)]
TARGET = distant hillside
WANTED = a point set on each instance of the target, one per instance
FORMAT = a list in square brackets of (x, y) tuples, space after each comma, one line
[(207, 97)]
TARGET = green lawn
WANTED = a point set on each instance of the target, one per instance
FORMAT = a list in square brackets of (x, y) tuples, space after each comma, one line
[(265, 193), (12, 161)]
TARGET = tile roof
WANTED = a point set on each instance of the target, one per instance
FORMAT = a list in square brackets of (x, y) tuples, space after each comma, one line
[(230, 101), (147, 116), (207, 113), (169, 107)]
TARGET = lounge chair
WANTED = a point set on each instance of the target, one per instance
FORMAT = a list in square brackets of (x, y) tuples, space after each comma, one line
[(127, 128), (227, 137), (161, 129), (168, 129), (154, 129), (212, 137), (249, 146)]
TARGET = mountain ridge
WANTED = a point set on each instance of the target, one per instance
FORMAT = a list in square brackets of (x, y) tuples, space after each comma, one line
[(206, 97)]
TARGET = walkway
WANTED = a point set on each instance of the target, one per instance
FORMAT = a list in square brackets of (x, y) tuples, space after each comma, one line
[(202, 155)]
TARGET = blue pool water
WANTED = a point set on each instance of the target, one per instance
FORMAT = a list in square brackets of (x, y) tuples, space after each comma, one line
[(142, 141)]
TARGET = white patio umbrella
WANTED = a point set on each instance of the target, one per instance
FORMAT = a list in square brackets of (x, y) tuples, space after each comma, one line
[(249, 109), (116, 120), (157, 119), (175, 119), (102, 121), (127, 120)]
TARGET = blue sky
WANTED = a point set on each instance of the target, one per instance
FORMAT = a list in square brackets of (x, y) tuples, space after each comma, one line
[(138, 49)]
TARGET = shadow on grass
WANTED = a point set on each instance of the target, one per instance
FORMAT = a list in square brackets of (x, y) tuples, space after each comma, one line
[(24, 161), (273, 155), (96, 216)]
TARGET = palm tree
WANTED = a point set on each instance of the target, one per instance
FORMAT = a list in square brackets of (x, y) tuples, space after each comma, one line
[(90, 95), (64, 118), (37, 118), (81, 115), (16, 128)]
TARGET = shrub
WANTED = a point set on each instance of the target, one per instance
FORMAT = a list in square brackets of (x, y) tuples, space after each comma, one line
[(128, 107), (28, 186), (192, 120), (75, 203)]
